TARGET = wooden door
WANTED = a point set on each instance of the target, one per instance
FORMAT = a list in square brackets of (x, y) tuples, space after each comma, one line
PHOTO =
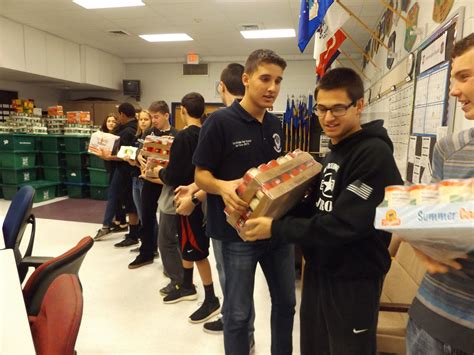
[(178, 121)]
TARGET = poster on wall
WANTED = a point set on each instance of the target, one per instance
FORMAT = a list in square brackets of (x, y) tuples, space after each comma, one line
[(405, 5), (441, 9), (434, 54), (391, 49), (410, 36), (420, 154)]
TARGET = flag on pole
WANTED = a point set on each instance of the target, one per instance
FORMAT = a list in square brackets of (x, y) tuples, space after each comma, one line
[(310, 19), (330, 55)]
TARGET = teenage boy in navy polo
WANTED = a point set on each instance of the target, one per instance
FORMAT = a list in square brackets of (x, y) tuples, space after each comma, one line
[(232, 141)]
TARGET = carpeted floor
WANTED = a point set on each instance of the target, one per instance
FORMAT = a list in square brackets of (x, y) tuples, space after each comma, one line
[(71, 209)]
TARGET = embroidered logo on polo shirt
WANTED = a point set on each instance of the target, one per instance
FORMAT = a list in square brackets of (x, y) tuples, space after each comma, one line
[(277, 145), (242, 143)]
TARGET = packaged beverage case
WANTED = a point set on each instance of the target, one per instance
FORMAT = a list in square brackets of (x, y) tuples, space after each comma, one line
[(156, 149), (424, 194), (455, 190), (272, 189), (397, 195)]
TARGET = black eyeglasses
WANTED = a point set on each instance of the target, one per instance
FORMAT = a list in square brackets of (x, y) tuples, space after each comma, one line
[(336, 110)]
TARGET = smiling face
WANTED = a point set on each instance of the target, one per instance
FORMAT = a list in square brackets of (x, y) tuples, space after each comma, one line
[(462, 82), (159, 120), (263, 85), (338, 128)]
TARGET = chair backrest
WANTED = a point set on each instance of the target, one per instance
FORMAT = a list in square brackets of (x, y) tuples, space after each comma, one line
[(404, 276), (56, 327), (17, 217), (68, 263)]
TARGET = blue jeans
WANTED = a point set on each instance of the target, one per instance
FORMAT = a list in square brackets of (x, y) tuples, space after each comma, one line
[(217, 247), (419, 342), (240, 263), (112, 198), (137, 195)]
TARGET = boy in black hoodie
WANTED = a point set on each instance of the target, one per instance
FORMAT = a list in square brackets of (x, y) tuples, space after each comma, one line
[(346, 258)]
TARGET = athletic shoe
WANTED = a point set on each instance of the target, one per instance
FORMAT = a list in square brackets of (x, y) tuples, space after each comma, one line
[(117, 228), (101, 233), (168, 289), (126, 242), (207, 310), (181, 293), (214, 327), (139, 261)]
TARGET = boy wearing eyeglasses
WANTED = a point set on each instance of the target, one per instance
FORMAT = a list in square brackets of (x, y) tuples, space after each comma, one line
[(346, 258)]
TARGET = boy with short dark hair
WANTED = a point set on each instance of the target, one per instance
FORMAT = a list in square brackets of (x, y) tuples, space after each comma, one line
[(233, 140), (346, 257)]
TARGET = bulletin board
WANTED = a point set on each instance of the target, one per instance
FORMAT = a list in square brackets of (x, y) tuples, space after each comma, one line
[(413, 100)]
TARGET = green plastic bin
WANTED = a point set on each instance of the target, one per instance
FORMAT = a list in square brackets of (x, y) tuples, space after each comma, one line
[(95, 162), (99, 192), (21, 142), (77, 175), (53, 159), (45, 190), (76, 144), (99, 177), (54, 173), (18, 176), (17, 159), (52, 143), (76, 160), (61, 190), (77, 190)]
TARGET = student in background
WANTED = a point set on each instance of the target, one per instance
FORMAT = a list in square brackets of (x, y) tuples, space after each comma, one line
[(442, 313), (231, 141), (346, 257)]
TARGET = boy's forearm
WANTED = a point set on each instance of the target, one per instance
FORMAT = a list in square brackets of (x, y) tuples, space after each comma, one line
[(207, 182)]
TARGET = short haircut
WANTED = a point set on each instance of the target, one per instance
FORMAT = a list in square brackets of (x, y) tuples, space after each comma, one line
[(159, 106), (342, 78), (231, 76), (463, 46), (194, 103), (263, 56), (127, 109), (103, 127)]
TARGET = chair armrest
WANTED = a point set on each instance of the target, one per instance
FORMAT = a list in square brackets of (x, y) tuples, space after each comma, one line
[(394, 307), (34, 261)]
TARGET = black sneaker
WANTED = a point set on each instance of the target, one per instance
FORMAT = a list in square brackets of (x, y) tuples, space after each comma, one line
[(101, 233), (207, 310), (156, 254), (181, 293), (117, 228), (214, 327), (139, 261), (168, 289), (126, 242)]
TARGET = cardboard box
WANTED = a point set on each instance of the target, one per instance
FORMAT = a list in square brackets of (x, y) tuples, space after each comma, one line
[(83, 117), (157, 149), (275, 188), (128, 151), (105, 142)]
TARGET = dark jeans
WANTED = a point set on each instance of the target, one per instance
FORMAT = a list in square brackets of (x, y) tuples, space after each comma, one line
[(217, 247), (149, 236), (419, 342), (240, 263), (113, 198)]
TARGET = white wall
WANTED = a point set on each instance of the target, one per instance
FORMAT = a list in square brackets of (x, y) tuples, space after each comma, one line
[(43, 97), (166, 82)]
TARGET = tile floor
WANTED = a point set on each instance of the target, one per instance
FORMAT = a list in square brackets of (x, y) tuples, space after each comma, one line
[(123, 310)]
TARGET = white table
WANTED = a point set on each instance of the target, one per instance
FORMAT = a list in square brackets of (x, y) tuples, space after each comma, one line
[(15, 333)]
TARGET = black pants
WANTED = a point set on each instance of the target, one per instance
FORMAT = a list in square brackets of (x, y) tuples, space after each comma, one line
[(339, 316), (149, 236)]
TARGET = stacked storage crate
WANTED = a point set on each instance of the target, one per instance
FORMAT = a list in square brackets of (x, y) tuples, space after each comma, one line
[(19, 167), (54, 161), (99, 178), (77, 175)]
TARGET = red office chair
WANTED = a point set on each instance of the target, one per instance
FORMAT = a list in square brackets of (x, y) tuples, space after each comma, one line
[(39, 281), (56, 327)]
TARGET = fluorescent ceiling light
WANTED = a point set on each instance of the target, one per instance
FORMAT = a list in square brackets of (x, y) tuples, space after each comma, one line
[(167, 37), (107, 4), (282, 33)]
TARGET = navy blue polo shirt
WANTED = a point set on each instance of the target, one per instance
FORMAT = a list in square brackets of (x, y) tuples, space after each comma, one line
[(232, 141)]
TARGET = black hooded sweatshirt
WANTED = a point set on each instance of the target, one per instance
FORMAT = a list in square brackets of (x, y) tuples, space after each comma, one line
[(338, 235)]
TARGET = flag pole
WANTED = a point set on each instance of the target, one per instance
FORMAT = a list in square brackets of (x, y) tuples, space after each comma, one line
[(353, 63), (396, 12), (374, 35), (360, 48)]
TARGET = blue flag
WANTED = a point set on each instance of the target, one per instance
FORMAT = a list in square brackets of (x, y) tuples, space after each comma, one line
[(287, 114), (312, 13)]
